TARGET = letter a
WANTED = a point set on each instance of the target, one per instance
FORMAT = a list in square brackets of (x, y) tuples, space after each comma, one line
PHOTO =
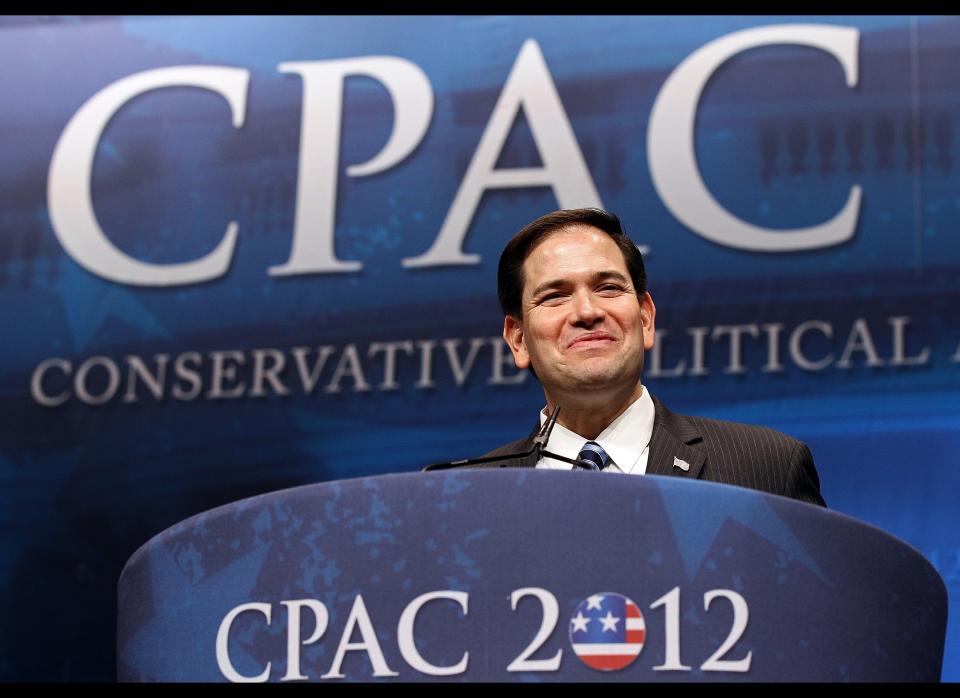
[(564, 170)]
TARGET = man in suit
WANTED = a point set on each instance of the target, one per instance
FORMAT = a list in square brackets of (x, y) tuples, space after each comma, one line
[(577, 312)]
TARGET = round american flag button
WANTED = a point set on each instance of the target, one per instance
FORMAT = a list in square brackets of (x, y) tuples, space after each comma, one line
[(607, 631)]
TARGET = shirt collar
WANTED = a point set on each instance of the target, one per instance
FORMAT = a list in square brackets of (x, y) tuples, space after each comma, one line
[(625, 439)]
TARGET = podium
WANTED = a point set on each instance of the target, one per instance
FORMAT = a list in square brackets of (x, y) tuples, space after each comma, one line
[(527, 575)]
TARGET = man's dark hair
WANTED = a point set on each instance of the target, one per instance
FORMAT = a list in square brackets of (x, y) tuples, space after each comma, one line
[(510, 272)]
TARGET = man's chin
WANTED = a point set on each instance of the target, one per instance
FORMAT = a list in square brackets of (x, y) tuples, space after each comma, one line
[(597, 375)]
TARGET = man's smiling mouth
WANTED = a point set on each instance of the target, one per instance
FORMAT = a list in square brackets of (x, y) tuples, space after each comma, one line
[(590, 339)]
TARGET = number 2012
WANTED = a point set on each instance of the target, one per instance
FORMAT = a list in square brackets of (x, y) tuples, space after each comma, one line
[(670, 602)]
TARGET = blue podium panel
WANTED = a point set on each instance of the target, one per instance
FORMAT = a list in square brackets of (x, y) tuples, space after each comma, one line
[(529, 576)]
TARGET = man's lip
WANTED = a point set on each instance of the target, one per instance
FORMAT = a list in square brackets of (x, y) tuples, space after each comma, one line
[(591, 337)]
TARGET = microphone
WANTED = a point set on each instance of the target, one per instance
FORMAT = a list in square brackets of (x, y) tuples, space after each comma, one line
[(539, 447)]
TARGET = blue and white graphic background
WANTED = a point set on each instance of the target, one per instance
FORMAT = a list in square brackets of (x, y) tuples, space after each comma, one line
[(780, 140)]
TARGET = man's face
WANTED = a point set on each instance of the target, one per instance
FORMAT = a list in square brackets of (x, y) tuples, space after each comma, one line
[(583, 327)]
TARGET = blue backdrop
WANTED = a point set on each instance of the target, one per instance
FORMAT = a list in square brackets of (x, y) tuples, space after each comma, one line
[(221, 277)]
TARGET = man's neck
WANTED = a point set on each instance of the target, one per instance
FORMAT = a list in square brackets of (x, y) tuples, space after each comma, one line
[(587, 416)]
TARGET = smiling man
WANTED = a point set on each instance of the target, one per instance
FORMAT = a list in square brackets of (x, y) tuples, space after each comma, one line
[(577, 312)]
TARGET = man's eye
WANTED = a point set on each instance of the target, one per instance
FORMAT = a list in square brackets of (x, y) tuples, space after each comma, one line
[(552, 297), (611, 288)]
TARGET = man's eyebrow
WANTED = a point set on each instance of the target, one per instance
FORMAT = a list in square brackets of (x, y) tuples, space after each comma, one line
[(597, 277), (611, 274)]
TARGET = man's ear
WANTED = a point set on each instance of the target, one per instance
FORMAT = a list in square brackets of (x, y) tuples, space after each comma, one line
[(648, 316), (513, 336)]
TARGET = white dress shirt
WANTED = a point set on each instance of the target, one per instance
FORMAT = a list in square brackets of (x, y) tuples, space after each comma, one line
[(626, 440)]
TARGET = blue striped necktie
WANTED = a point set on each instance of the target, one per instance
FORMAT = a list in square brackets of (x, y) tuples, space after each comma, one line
[(593, 455)]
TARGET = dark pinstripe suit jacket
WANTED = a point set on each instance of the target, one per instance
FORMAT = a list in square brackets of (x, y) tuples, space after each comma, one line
[(734, 454)]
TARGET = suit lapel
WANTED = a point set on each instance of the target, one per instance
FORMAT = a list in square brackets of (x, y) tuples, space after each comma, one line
[(528, 461), (674, 444)]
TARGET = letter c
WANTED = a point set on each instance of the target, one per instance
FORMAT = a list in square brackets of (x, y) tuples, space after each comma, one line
[(71, 167), (36, 382), (670, 142), (223, 652), (408, 646)]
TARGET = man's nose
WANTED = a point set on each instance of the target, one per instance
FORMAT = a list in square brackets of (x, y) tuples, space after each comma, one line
[(585, 309)]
